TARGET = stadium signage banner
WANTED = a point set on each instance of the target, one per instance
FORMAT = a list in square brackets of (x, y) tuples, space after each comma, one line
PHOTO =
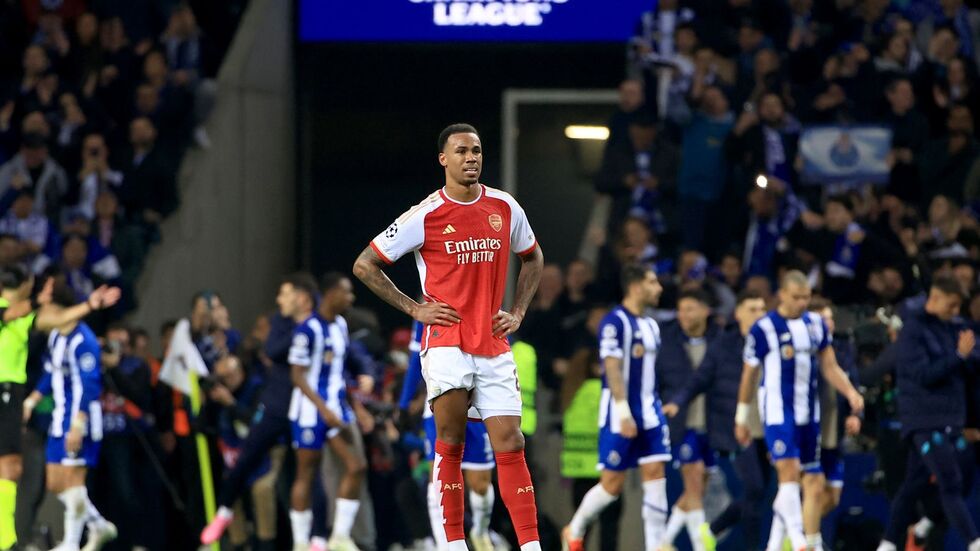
[(469, 20), (845, 154)]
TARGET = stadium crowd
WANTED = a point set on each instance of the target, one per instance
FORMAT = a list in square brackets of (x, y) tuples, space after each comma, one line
[(708, 185), (98, 102)]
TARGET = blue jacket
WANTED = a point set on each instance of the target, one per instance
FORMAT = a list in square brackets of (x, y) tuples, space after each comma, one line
[(718, 377), (674, 370), (931, 376), (278, 389)]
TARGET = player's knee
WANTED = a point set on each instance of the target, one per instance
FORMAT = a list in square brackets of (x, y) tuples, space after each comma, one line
[(452, 432), (788, 470), (831, 499), (510, 441), (264, 488), (815, 486), (478, 481), (653, 471), (451, 436), (53, 484), (612, 483), (356, 467)]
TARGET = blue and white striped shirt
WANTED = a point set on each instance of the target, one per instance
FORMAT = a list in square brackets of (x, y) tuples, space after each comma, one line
[(320, 347), (788, 351), (73, 377), (635, 340)]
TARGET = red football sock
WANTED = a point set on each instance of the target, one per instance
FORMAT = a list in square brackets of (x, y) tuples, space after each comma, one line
[(446, 470), (518, 494)]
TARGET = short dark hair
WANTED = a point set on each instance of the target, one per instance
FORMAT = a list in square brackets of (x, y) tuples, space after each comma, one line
[(69, 237), (893, 83), (331, 280), (206, 294), (843, 200), (302, 282), (13, 276), (632, 273), (63, 295), (167, 326), (748, 294), (120, 326), (697, 294), (948, 285), (33, 140), (457, 128)]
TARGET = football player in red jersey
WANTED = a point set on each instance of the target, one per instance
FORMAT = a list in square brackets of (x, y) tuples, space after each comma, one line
[(462, 236)]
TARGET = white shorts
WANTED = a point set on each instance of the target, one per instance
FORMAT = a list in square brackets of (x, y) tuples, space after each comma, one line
[(492, 379)]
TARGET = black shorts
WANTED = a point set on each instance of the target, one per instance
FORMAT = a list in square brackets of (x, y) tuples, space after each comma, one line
[(11, 417)]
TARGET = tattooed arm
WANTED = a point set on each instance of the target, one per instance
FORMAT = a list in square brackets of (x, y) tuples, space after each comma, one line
[(505, 323), (367, 268)]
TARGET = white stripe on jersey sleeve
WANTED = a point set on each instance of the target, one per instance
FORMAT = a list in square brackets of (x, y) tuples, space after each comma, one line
[(610, 341), (772, 394), (299, 351), (522, 239), (407, 232)]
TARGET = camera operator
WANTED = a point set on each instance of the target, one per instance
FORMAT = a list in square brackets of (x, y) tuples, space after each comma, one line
[(121, 491), (237, 396), (935, 351)]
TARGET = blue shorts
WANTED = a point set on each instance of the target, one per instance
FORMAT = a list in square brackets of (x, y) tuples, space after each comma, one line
[(832, 465), (477, 452), (314, 436), (87, 456), (694, 448), (792, 441), (619, 454)]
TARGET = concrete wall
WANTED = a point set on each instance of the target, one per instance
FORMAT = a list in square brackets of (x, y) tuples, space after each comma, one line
[(235, 230)]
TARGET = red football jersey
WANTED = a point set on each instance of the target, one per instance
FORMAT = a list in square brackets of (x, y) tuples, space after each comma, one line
[(461, 250)]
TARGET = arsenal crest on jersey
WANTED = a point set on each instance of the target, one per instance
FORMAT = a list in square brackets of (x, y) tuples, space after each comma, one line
[(496, 222)]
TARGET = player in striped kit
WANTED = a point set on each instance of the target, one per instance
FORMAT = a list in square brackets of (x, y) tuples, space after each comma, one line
[(73, 377), (319, 414), (792, 346), (477, 462), (633, 430)]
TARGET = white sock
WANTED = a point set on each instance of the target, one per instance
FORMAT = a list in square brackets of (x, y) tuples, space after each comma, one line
[(886, 545), (674, 525), (436, 521), (789, 507), (974, 545), (536, 546), (777, 531), (481, 507), (654, 511), (74, 499), (225, 513), (458, 545), (694, 519), (92, 515), (814, 542), (302, 523), (343, 518), (922, 528), (593, 503)]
